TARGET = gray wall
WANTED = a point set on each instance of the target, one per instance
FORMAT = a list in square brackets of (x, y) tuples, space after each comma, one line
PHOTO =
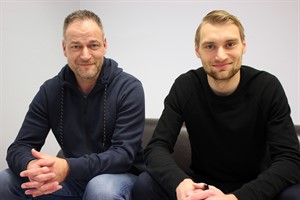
[(151, 40)]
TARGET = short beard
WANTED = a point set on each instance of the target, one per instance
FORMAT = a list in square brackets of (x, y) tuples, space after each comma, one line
[(220, 77), (89, 76)]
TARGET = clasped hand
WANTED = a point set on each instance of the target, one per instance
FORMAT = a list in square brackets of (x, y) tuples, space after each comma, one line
[(45, 174), (189, 190)]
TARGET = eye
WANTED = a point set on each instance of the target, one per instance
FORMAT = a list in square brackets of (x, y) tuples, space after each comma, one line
[(230, 45), (94, 46), (75, 47), (209, 46)]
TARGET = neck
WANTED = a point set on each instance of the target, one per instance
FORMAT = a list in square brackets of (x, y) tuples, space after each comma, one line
[(224, 87), (86, 86)]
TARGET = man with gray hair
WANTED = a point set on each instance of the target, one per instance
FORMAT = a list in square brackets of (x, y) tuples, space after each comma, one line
[(96, 112)]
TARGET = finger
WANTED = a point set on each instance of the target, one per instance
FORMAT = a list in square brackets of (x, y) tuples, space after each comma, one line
[(43, 177), (199, 194), (40, 155), (34, 192), (36, 154), (31, 184), (202, 186), (50, 187), (39, 163), (44, 162), (44, 189), (34, 172)]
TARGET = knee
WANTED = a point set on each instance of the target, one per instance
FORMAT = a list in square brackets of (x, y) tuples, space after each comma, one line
[(146, 187), (110, 187), (292, 193), (141, 185), (9, 183), (7, 180)]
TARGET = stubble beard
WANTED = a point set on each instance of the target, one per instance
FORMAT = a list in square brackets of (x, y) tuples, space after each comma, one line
[(223, 75), (88, 75)]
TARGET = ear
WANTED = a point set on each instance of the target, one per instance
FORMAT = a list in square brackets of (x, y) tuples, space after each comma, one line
[(104, 45), (245, 45), (63, 44), (197, 51)]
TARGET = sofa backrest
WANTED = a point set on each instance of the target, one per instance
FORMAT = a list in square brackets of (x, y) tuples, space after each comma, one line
[(297, 127), (182, 149)]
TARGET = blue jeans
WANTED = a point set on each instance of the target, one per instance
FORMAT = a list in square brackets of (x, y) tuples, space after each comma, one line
[(104, 187)]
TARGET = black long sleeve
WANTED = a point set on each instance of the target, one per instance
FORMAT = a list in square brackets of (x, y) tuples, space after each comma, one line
[(244, 143)]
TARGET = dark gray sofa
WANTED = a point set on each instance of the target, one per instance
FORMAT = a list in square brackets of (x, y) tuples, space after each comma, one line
[(182, 149)]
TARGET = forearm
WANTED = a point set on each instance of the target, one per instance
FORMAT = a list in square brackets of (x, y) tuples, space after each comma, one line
[(231, 197), (18, 157)]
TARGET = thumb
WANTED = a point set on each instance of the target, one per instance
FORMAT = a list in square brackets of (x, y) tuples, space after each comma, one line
[(36, 154), (202, 186), (42, 159)]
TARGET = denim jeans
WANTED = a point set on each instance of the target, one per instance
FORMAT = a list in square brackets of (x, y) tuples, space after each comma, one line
[(104, 187)]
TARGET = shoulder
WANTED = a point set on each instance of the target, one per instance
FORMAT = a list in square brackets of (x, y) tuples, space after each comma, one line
[(53, 86), (114, 74), (258, 79), (59, 78), (250, 74), (129, 77), (261, 84), (193, 78), (126, 82), (187, 84)]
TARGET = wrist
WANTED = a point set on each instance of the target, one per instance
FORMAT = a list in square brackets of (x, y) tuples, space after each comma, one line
[(30, 163), (231, 197), (66, 169)]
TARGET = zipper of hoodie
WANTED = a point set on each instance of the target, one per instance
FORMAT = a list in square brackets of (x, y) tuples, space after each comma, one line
[(85, 123)]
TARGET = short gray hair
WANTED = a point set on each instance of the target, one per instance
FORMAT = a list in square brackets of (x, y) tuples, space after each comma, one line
[(81, 15)]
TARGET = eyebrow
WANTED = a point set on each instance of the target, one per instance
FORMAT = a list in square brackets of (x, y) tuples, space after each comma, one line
[(229, 40), (233, 40), (92, 41)]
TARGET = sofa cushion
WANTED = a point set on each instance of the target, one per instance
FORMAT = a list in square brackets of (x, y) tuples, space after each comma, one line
[(182, 149)]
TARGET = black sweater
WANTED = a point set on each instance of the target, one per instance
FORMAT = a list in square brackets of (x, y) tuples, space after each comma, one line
[(244, 143)]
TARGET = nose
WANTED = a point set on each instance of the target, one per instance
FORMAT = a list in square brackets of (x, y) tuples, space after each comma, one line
[(221, 54), (85, 53)]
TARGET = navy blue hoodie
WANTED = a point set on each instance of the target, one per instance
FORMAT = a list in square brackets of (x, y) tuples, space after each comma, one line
[(98, 133)]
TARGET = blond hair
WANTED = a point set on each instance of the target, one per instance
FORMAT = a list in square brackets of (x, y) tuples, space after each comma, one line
[(220, 17)]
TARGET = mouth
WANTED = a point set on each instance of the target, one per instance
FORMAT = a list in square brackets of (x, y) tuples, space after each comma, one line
[(85, 64), (221, 65)]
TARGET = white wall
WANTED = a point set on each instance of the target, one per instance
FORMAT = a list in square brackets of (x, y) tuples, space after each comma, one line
[(152, 40), (30, 50)]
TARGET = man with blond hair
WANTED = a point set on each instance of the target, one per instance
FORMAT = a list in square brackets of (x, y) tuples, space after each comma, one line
[(243, 141)]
